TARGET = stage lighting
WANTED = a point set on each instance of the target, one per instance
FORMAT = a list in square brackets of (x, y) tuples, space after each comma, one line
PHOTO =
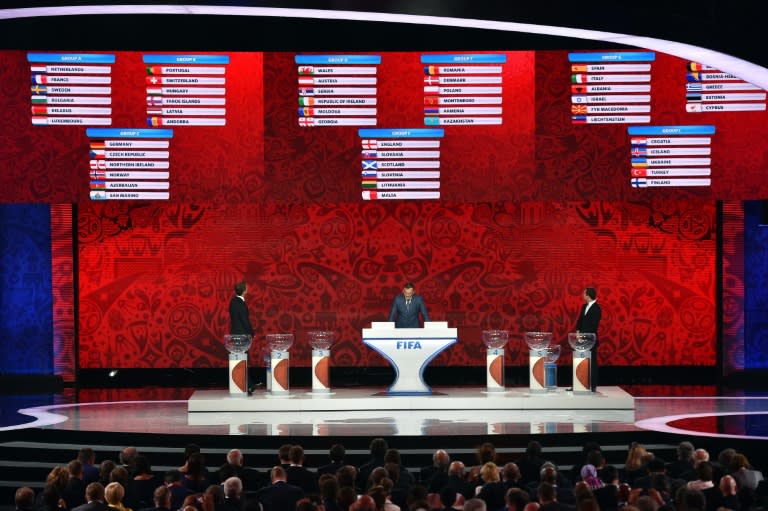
[(112, 373)]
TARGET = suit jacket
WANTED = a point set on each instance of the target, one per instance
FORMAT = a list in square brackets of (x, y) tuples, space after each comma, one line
[(238, 317), (279, 496), (589, 322), (407, 315), (95, 505)]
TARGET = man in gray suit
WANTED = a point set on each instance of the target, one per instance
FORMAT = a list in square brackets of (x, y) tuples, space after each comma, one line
[(406, 308)]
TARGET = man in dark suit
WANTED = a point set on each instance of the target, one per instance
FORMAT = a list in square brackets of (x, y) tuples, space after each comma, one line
[(279, 496), (94, 497), (239, 323), (406, 308), (588, 323)]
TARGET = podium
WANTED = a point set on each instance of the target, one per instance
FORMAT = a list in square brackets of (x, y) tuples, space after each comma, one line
[(409, 350)]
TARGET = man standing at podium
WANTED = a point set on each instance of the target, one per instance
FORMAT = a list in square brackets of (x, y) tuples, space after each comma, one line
[(587, 323), (406, 308)]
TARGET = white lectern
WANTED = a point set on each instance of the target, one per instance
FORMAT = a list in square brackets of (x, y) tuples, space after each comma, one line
[(409, 350)]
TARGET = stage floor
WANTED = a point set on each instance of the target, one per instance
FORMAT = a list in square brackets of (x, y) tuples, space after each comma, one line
[(166, 411), (460, 400)]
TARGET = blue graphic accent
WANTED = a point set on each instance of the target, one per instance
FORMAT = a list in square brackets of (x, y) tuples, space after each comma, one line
[(330, 60), (755, 287), (613, 56), (401, 133), (71, 58), (26, 289), (465, 58), (180, 60), (664, 131), (128, 133)]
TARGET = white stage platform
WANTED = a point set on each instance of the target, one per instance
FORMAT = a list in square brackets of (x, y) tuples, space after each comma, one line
[(376, 399)]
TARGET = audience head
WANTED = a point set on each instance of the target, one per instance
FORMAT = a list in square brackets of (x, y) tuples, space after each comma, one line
[(441, 459), (456, 468), (233, 488), (647, 503), (142, 465), (448, 496), (196, 466), (346, 476), (296, 455), (700, 455), (533, 450), (25, 498), (86, 455), (58, 477), (685, 451), (486, 453), (105, 469), (378, 447), (94, 491), (393, 456), (532, 506), (687, 499), (329, 487), (337, 453), (511, 472), (377, 474), (475, 505), (127, 456), (172, 477), (725, 456), (114, 493), (346, 497), (728, 485), (516, 499), (284, 454), (739, 461), (162, 497), (235, 457), (546, 493), (490, 473), (75, 468), (277, 474), (364, 503), (704, 471)]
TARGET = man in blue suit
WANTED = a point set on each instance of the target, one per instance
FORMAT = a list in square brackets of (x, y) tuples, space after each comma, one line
[(406, 308)]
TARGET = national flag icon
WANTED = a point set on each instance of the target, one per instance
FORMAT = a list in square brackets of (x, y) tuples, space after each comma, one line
[(306, 101), (639, 172), (97, 164), (154, 111), (638, 151), (692, 96), (579, 119), (430, 70), (39, 89), (430, 100), (39, 110), (579, 78), (306, 112), (369, 174), (638, 141), (39, 121), (154, 100), (369, 144), (154, 70), (431, 80), (693, 87), (694, 76), (694, 66), (578, 109), (38, 69), (639, 162), (431, 110), (154, 91), (369, 184), (306, 81), (97, 145), (431, 89), (369, 153), (98, 154), (306, 91), (579, 68), (154, 80), (154, 121), (306, 121), (370, 164), (693, 107), (98, 174), (39, 99), (98, 195), (638, 182), (431, 121), (579, 98), (39, 78), (98, 185), (578, 89), (306, 70)]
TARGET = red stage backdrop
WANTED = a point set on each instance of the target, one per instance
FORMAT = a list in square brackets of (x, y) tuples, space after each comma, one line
[(155, 279)]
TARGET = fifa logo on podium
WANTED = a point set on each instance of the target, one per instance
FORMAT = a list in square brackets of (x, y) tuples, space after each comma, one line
[(408, 345)]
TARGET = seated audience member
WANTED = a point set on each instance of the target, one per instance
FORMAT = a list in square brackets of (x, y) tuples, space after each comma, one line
[(87, 457), (378, 449), (439, 467), (684, 461), (530, 463), (346, 497), (161, 498), (475, 505), (689, 500), (347, 477), (743, 473), (329, 491), (404, 478), (235, 467), (457, 480), (195, 479), (94, 499), (511, 476), (724, 496), (364, 503), (516, 499), (635, 464), (24, 499), (547, 496), (105, 470), (606, 496), (703, 480), (233, 494), (589, 476), (298, 475), (336, 454), (74, 492), (142, 487), (55, 488), (189, 450), (279, 496), (114, 493), (178, 492), (493, 490), (127, 457), (49, 499)]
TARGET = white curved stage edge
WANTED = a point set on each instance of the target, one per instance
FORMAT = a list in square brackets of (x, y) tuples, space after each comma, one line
[(460, 399)]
